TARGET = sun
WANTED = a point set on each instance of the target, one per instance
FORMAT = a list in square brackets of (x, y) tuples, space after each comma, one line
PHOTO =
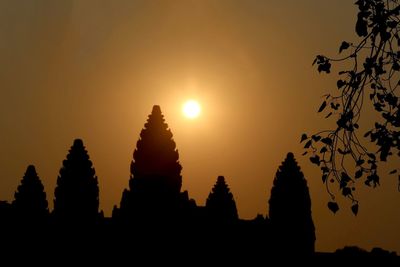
[(191, 109)]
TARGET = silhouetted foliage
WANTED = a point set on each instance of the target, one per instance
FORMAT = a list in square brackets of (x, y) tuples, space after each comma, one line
[(372, 78), (380, 252), (30, 201), (77, 191), (351, 251), (290, 210), (220, 203), (155, 183)]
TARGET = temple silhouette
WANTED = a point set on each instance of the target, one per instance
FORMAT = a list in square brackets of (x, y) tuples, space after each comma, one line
[(156, 217)]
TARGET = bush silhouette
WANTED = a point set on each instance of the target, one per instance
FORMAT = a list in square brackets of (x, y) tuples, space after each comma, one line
[(77, 191), (30, 201), (290, 210), (220, 203), (155, 182)]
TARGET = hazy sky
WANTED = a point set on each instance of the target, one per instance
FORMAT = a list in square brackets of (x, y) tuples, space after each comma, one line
[(94, 69)]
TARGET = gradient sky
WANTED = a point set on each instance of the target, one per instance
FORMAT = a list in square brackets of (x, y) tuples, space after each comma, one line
[(94, 69)]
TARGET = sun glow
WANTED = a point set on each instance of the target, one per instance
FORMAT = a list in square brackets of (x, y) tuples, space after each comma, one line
[(191, 109)]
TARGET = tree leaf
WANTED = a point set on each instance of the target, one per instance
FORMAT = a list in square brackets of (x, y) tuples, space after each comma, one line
[(316, 138), (360, 162), (354, 209), (327, 141), (384, 152), (329, 114), (396, 66), (340, 84), (358, 174), (324, 169), (392, 24), (315, 61), (371, 96), (367, 133), (333, 206), (315, 160), (385, 35), (325, 67), (322, 107), (335, 106), (374, 179), (303, 137), (346, 191), (344, 46), (345, 177), (393, 171), (361, 25), (308, 144)]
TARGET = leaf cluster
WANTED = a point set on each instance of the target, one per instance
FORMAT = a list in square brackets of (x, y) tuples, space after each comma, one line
[(372, 79)]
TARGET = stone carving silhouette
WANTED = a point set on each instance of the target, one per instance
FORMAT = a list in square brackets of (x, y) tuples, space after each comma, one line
[(290, 210), (30, 203), (154, 196), (77, 191), (155, 182), (220, 203)]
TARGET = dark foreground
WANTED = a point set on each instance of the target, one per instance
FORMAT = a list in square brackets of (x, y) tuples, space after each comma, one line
[(169, 245)]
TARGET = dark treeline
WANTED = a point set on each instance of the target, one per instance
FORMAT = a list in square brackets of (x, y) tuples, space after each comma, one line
[(155, 216)]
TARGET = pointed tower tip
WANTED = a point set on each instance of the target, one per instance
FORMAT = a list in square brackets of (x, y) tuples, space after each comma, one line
[(78, 142), (290, 155), (31, 168), (221, 178), (156, 109)]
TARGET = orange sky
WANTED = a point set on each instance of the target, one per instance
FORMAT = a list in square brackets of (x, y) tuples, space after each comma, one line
[(94, 69)]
